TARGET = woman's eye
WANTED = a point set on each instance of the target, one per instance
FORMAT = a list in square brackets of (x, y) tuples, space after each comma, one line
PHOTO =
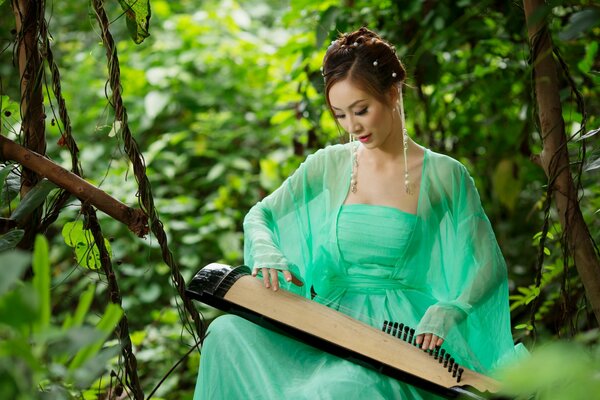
[(339, 116), (362, 112)]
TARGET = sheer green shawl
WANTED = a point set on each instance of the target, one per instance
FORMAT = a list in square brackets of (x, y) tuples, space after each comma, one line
[(453, 247)]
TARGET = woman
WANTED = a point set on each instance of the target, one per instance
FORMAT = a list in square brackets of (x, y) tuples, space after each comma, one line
[(380, 229)]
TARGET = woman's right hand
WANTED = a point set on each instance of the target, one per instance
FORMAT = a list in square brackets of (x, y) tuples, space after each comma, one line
[(271, 277)]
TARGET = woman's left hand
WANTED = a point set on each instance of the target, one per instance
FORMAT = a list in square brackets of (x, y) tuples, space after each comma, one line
[(429, 341)]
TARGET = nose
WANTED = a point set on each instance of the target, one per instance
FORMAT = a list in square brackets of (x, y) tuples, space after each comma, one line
[(353, 126)]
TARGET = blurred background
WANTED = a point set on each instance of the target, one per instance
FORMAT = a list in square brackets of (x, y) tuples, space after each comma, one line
[(225, 100)]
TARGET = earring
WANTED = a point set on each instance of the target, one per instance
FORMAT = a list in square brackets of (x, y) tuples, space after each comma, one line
[(404, 143)]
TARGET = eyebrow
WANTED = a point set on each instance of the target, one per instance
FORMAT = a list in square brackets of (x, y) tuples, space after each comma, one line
[(351, 105)]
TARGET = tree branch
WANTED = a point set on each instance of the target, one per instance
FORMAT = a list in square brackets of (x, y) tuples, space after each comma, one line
[(135, 219)]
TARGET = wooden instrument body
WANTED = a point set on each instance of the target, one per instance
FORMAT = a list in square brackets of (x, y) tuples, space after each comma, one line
[(236, 292)]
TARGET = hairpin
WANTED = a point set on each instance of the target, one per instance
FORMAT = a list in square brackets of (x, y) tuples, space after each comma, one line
[(355, 44), (375, 63), (394, 75)]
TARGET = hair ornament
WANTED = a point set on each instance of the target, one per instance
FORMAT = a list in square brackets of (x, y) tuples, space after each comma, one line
[(375, 63), (373, 40), (355, 44), (394, 75)]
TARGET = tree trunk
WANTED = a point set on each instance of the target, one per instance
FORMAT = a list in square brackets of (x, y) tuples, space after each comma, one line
[(28, 17), (555, 157)]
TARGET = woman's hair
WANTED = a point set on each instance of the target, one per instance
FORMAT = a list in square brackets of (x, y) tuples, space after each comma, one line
[(369, 61)]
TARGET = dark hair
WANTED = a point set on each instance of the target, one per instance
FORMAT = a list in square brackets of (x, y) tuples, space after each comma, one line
[(367, 60)]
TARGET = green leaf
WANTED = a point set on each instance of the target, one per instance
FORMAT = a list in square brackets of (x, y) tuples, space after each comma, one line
[(85, 300), (41, 280), (82, 241), (326, 22), (13, 265), (137, 13), (10, 188), (580, 22), (106, 325), (19, 308), (32, 200), (4, 173), (10, 240), (507, 186)]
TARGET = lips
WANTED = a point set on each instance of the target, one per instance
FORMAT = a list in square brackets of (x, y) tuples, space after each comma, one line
[(364, 138)]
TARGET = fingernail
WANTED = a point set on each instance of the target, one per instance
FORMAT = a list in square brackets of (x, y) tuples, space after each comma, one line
[(288, 279)]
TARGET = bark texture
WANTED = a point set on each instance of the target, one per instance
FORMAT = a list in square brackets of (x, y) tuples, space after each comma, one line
[(555, 157)]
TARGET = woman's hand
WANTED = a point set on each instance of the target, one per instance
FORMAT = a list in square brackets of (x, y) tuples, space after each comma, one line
[(271, 278), (429, 341)]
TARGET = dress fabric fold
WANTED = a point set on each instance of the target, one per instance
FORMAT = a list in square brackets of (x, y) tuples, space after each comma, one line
[(439, 270)]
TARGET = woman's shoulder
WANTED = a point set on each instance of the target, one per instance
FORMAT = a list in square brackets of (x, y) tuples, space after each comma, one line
[(444, 164), (331, 153)]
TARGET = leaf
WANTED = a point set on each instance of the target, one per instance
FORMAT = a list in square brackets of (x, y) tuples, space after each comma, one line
[(507, 186), (86, 252), (32, 200), (41, 280), (4, 173), (106, 325), (10, 188), (324, 27), (580, 22), (85, 300), (155, 102), (13, 265), (11, 239), (592, 165), (588, 134), (137, 13), (19, 308)]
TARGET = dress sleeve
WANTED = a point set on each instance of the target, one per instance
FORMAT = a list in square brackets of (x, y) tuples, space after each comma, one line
[(470, 280), (276, 229)]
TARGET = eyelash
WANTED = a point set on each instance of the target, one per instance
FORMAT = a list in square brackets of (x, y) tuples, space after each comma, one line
[(359, 113)]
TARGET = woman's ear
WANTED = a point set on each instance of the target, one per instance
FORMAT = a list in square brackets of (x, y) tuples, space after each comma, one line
[(393, 94)]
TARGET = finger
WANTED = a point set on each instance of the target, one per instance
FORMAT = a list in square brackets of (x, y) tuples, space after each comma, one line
[(426, 341), (274, 279), (266, 277), (440, 341), (433, 343), (254, 271), (289, 277), (419, 339)]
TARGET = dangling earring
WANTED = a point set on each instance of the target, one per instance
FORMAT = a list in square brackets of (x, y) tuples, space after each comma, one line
[(404, 143)]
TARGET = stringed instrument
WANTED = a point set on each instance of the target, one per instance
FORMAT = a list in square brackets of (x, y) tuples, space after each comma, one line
[(390, 351)]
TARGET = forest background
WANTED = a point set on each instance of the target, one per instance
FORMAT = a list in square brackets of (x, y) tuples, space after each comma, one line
[(224, 100)]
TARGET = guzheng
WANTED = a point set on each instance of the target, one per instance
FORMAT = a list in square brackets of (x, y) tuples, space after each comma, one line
[(235, 291)]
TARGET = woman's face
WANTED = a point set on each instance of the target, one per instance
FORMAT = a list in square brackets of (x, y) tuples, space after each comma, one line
[(365, 117)]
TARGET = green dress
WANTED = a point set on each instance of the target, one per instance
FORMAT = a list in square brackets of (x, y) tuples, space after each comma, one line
[(440, 271)]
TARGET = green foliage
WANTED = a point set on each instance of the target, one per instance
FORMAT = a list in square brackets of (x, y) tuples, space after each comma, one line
[(82, 242), (32, 200), (555, 371), (226, 99), (137, 13), (34, 350), (10, 239)]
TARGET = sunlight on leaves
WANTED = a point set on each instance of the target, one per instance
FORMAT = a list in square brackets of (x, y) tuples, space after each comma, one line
[(82, 241), (137, 13)]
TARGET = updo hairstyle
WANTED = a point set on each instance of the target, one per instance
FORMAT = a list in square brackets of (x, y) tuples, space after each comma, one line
[(369, 61)]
